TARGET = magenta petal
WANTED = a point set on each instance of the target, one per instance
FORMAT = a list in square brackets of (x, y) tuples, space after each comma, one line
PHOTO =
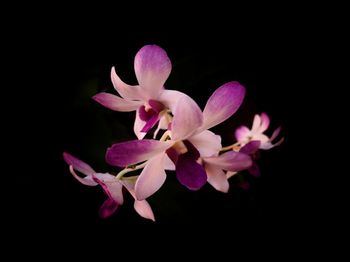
[(78, 164), (150, 123), (254, 170), (152, 68), (230, 161), (190, 173), (223, 103), (156, 106), (108, 208), (275, 133), (187, 119), (116, 103), (136, 151), (251, 147)]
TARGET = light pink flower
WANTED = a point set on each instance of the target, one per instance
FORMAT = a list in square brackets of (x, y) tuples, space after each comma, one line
[(260, 124), (149, 99), (111, 186), (190, 145)]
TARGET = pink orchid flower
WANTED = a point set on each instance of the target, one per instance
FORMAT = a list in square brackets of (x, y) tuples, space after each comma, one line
[(110, 185), (190, 147), (260, 124), (149, 99)]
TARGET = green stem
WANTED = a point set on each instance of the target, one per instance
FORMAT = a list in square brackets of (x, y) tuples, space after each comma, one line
[(129, 169)]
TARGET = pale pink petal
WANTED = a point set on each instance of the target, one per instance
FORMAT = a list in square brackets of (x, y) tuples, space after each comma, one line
[(136, 151), (144, 209), (169, 98), (265, 122), (126, 91), (187, 119), (217, 178), (138, 125), (230, 161), (261, 137), (151, 178), (207, 143), (164, 122), (230, 174), (78, 164), (242, 133), (152, 68), (222, 104), (116, 103), (256, 123), (168, 164), (85, 181)]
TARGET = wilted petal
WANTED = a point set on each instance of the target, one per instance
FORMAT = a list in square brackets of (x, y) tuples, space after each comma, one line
[(151, 178), (108, 208), (217, 178), (207, 143), (126, 91), (144, 209), (136, 151), (116, 103), (242, 133), (187, 119), (88, 181), (78, 164), (152, 68), (223, 103), (251, 147), (265, 122), (230, 161), (138, 125), (190, 173)]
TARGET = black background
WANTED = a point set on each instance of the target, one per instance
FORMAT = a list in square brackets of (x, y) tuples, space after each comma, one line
[(60, 69)]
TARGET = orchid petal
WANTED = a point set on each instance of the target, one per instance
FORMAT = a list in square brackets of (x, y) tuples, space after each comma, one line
[(223, 103), (254, 170), (144, 209), (251, 147), (138, 125), (187, 119), (136, 151), (207, 143), (108, 208), (151, 178), (217, 178), (152, 68), (78, 164), (230, 174), (111, 186), (126, 91), (150, 123), (190, 173), (116, 103), (275, 133), (242, 133), (230, 161), (256, 123), (169, 98), (85, 181), (265, 122)]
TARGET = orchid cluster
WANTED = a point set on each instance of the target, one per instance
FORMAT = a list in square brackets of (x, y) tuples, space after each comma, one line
[(182, 141)]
